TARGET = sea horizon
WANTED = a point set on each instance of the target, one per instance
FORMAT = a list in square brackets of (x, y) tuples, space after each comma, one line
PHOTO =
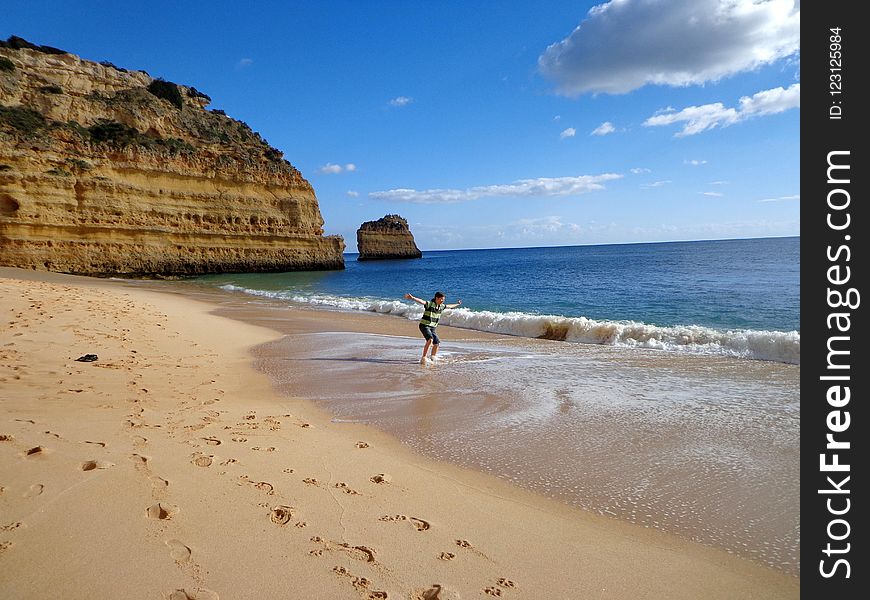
[(728, 239)]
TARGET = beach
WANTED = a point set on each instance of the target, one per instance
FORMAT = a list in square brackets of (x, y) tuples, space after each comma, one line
[(197, 457)]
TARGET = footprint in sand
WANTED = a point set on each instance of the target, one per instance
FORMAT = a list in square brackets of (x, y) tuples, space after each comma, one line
[(361, 584), (347, 490), (34, 490), (4, 546), (162, 512), (419, 524), (197, 594), (263, 486), (381, 478), (492, 591), (212, 441), (10, 526), (5, 437), (178, 551), (158, 482), (446, 556), (202, 460), (281, 515), (140, 460), (362, 445), (36, 451), (467, 545), (100, 444), (310, 481), (90, 465), (505, 583), (436, 592)]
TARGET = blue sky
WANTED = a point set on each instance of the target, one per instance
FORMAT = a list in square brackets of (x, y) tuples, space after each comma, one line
[(491, 124)]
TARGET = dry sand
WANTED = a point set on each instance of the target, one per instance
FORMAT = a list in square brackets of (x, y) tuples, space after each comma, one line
[(169, 468)]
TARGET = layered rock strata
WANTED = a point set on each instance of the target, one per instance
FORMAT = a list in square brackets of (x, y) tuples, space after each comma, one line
[(105, 171), (388, 237)]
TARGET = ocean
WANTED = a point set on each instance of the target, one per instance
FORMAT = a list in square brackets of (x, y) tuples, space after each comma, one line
[(653, 383), (731, 297)]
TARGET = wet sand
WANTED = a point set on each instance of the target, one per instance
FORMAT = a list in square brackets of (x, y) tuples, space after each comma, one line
[(171, 468)]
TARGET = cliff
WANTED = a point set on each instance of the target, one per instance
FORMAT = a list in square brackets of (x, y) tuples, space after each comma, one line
[(106, 171), (388, 237)]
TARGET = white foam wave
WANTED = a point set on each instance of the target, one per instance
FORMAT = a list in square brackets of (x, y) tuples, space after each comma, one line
[(778, 346)]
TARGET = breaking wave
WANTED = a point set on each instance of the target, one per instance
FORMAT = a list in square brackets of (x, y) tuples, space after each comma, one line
[(777, 346)]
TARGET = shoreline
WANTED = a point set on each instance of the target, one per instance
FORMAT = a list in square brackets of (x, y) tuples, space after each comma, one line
[(358, 513)]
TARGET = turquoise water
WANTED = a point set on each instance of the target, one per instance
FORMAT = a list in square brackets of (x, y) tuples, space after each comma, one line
[(732, 297)]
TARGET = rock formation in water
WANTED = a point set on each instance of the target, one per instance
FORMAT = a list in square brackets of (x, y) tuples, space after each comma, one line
[(105, 171), (388, 237)]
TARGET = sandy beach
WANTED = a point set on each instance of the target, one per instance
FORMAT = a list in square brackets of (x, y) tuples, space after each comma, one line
[(170, 467)]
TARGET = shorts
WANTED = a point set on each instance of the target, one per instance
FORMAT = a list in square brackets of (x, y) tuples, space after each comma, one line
[(429, 333)]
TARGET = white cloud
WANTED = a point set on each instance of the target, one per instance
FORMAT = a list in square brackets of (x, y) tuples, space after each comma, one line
[(604, 129), (625, 44), (708, 116), (528, 188), (329, 169), (655, 184), (245, 62), (570, 132), (401, 101), (719, 183), (557, 118), (333, 169), (640, 170), (712, 194), (695, 162), (352, 193), (782, 198)]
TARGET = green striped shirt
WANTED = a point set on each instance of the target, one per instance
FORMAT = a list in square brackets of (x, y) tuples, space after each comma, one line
[(431, 314)]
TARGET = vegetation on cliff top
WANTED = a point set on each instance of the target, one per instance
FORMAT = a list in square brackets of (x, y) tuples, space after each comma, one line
[(13, 42), (168, 91), (192, 128)]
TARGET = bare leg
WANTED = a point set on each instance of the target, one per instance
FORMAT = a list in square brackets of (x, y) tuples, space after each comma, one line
[(434, 350), (426, 349)]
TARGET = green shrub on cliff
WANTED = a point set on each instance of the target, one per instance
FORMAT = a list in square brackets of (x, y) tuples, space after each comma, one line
[(6, 64), (176, 146), (17, 43), (22, 118), (114, 133), (195, 93), (166, 90), (106, 63)]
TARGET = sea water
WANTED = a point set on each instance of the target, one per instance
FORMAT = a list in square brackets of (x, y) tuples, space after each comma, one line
[(654, 383), (730, 297)]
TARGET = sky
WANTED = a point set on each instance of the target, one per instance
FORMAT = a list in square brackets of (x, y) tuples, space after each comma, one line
[(490, 124)]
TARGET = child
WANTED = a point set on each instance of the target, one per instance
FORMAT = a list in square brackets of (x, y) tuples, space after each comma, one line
[(431, 313)]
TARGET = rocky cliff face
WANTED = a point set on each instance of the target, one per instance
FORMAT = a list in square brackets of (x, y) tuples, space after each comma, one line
[(107, 171), (388, 237)]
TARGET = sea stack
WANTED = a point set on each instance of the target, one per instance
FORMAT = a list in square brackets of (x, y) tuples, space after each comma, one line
[(106, 171), (388, 237)]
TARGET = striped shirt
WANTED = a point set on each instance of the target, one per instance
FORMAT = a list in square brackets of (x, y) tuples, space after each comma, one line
[(431, 314)]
